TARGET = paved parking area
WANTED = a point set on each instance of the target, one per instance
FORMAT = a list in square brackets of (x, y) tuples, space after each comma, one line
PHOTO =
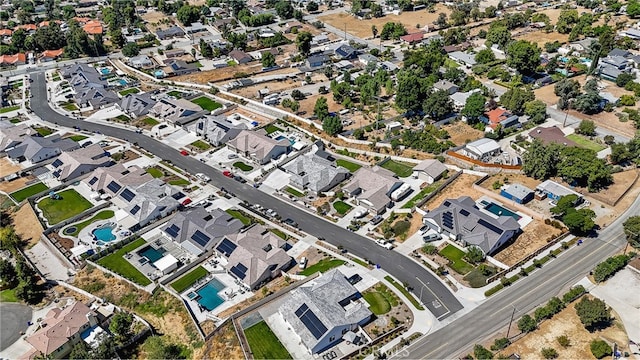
[(277, 180), (13, 321)]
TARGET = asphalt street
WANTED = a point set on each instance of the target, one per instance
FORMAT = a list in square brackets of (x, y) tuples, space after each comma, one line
[(435, 295), (13, 321)]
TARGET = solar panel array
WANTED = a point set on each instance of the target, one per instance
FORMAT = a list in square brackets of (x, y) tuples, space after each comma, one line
[(127, 195), (490, 226), (178, 195), (240, 271), (447, 219), (311, 321), (201, 238), (135, 210), (57, 163), (114, 186), (57, 173), (226, 247), (464, 212), (172, 230), (93, 180)]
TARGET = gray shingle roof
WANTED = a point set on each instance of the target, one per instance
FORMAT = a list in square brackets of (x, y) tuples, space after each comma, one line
[(431, 167), (312, 172)]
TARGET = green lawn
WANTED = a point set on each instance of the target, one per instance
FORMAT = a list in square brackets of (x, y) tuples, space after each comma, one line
[(28, 191), (15, 120), (129, 91), (17, 84), (352, 167), (197, 64), (201, 145), (455, 256), (279, 232), (322, 266), (9, 108), (118, 264), (476, 279), (451, 63), (155, 172), (70, 205), (341, 207), (240, 216), (70, 107), (242, 166), (78, 137), (189, 279), (404, 291), (44, 131), (175, 93), (8, 295), (150, 121), (583, 142), (270, 129), (206, 103), (102, 215), (123, 118), (421, 195), (179, 182), (264, 343), (56, 77), (401, 169), (294, 192), (378, 304)]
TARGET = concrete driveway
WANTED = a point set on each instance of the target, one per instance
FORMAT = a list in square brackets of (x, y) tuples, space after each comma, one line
[(13, 322)]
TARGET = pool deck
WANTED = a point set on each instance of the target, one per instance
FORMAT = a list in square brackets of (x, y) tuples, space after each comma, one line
[(524, 218)]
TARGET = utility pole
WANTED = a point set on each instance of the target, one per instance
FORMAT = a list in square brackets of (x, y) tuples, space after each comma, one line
[(511, 321)]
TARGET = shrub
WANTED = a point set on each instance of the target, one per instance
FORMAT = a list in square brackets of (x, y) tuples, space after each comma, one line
[(481, 353), (593, 313), (609, 267), (549, 353), (527, 324), (496, 185), (573, 294), (564, 341), (500, 344), (429, 249), (600, 349)]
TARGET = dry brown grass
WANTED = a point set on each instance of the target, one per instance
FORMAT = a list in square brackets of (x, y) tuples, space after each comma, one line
[(621, 182), (533, 237), (521, 179), (27, 225), (462, 186), (13, 185), (461, 133), (541, 37), (7, 167), (223, 345)]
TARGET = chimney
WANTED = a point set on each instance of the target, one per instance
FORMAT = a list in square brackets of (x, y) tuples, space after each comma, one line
[(539, 131)]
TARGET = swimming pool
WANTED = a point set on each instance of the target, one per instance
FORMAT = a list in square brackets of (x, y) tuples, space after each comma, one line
[(499, 210), (282, 137), (105, 71), (209, 298), (152, 253), (122, 82), (104, 233)]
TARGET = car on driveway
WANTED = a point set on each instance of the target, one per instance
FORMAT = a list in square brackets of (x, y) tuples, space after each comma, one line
[(376, 220), (385, 244), (431, 237), (354, 279), (184, 153), (228, 174)]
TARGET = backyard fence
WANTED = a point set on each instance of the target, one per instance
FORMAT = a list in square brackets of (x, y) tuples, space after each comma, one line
[(451, 179), (375, 341)]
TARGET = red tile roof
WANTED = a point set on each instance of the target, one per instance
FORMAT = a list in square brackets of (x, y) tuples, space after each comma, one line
[(28, 27), (13, 59), (6, 32), (54, 54), (412, 38), (93, 27)]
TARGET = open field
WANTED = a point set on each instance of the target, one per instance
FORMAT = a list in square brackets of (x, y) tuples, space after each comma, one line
[(521, 179), (7, 167), (461, 133), (533, 237), (351, 166), (401, 169), (27, 225), (462, 186), (223, 345), (540, 37), (362, 28), (226, 74), (17, 184), (621, 182), (251, 92), (206, 103)]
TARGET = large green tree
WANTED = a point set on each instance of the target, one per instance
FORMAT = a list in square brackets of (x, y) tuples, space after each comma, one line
[(540, 161), (332, 125), (303, 41), (579, 221), (631, 228), (321, 109), (437, 105), (120, 325), (593, 313), (536, 110), (474, 107), (515, 99), (523, 56), (498, 34)]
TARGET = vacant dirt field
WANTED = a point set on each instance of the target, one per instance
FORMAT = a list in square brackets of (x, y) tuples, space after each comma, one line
[(521, 179), (606, 214), (310, 102), (226, 74), (461, 132), (541, 37), (462, 186), (223, 345), (362, 28), (251, 92), (13, 185), (7, 167), (567, 323), (533, 237), (621, 182), (27, 225)]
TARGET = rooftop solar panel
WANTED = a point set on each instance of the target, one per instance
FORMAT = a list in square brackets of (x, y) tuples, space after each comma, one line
[(93, 180), (135, 210), (301, 310), (226, 247), (241, 274), (57, 163), (172, 230), (464, 212), (127, 195), (490, 226), (200, 238), (178, 195), (114, 186), (311, 321)]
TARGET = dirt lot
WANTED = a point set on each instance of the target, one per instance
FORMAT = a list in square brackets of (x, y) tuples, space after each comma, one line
[(606, 214), (461, 133), (621, 182), (521, 179), (226, 74), (541, 37), (462, 186), (251, 92), (13, 185), (567, 323), (362, 28), (223, 345), (310, 102), (27, 225), (7, 167), (153, 18), (533, 237)]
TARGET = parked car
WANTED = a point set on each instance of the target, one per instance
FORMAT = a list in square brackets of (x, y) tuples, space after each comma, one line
[(360, 213), (240, 179), (431, 237), (227, 173), (376, 220), (232, 156), (290, 222), (303, 262), (354, 279), (385, 244), (163, 126), (184, 153)]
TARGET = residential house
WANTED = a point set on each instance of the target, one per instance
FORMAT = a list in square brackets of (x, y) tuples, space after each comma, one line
[(258, 146), (319, 39), (429, 170), (50, 55), (240, 57), (93, 27), (555, 191), (617, 62), (460, 98), (324, 311), (609, 72), (109, 180), (295, 24), (174, 53), (517, 192), (142, 204), (218, 130), (12, 135), (446, 85), (72, 164), (136, 105), (412, 39), (198, 231), (632, 33), (619, 53), (366, 59), (5, 34), (255, 256), (372, 187), (13, 60), (60, 330), (170, 33), (179, 67), (221, 24), (37, 149), (550, 135), (317, 61), (429, 39), (345, 52), (499, 116), (482, 149), (95, 97), (194, 28), (176, 111), (310, 172), (608, 98), (141, 62), (462, 221), (463, 58)]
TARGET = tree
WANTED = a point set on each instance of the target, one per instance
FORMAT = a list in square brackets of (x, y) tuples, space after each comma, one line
[(332, 125), (485, 56), (130, 50), (564, 204), (205, 50), (500, 344), (549, 353), (593, 313), (358, 134), (374, 31), (475, 254), (9, 240), (540, 161), (527, 324), (321, 109), (498, 34), (438, 105), (588, 103), (536, 110), (458, 17), (156, 348), (80, 351), (8, 274), (284, 9), (312, 6), (631, 228), (515, 99), (481, 353), (188, 14), (633, 8), (393, 31), (566, 89), (303, 41), (297, 95), (441, 21), (523, 56), (121, 325), (587, 127), (564, 341), (268, 59), (410, 91), (624, 78), (600, 348), (474, 107)]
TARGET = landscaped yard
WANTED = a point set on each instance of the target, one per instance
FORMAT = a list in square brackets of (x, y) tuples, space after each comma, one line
[(279, 232), (78, 137), (404, 291), (455, 256), (583, 142), (179, 182), (102, 215), (189, 279), (70, 204), (477, 279), (118, 264), (240, 216), (123, 118), (264, 343), (43, 131), (294, 192), (270, 129), (150, 121), (206, 103), (155, 172), (175, 94), (381, 299), (70, 106), (421, 195), (341, 207), (15, 120), (28, 191), (8, 295), (322, 266), (352, 167), (201, 145), (242, 166), (129, 91), (401, 169), (9, 108)]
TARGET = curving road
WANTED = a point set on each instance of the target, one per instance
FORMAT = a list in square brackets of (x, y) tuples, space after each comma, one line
[(13, 322), (436, 296)]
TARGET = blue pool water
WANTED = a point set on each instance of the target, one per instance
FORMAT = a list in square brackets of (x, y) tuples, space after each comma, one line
[(104, 234), (282, 137), (105, 71), (151, 253), (499, 210), (209, 298), (122, 82)]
